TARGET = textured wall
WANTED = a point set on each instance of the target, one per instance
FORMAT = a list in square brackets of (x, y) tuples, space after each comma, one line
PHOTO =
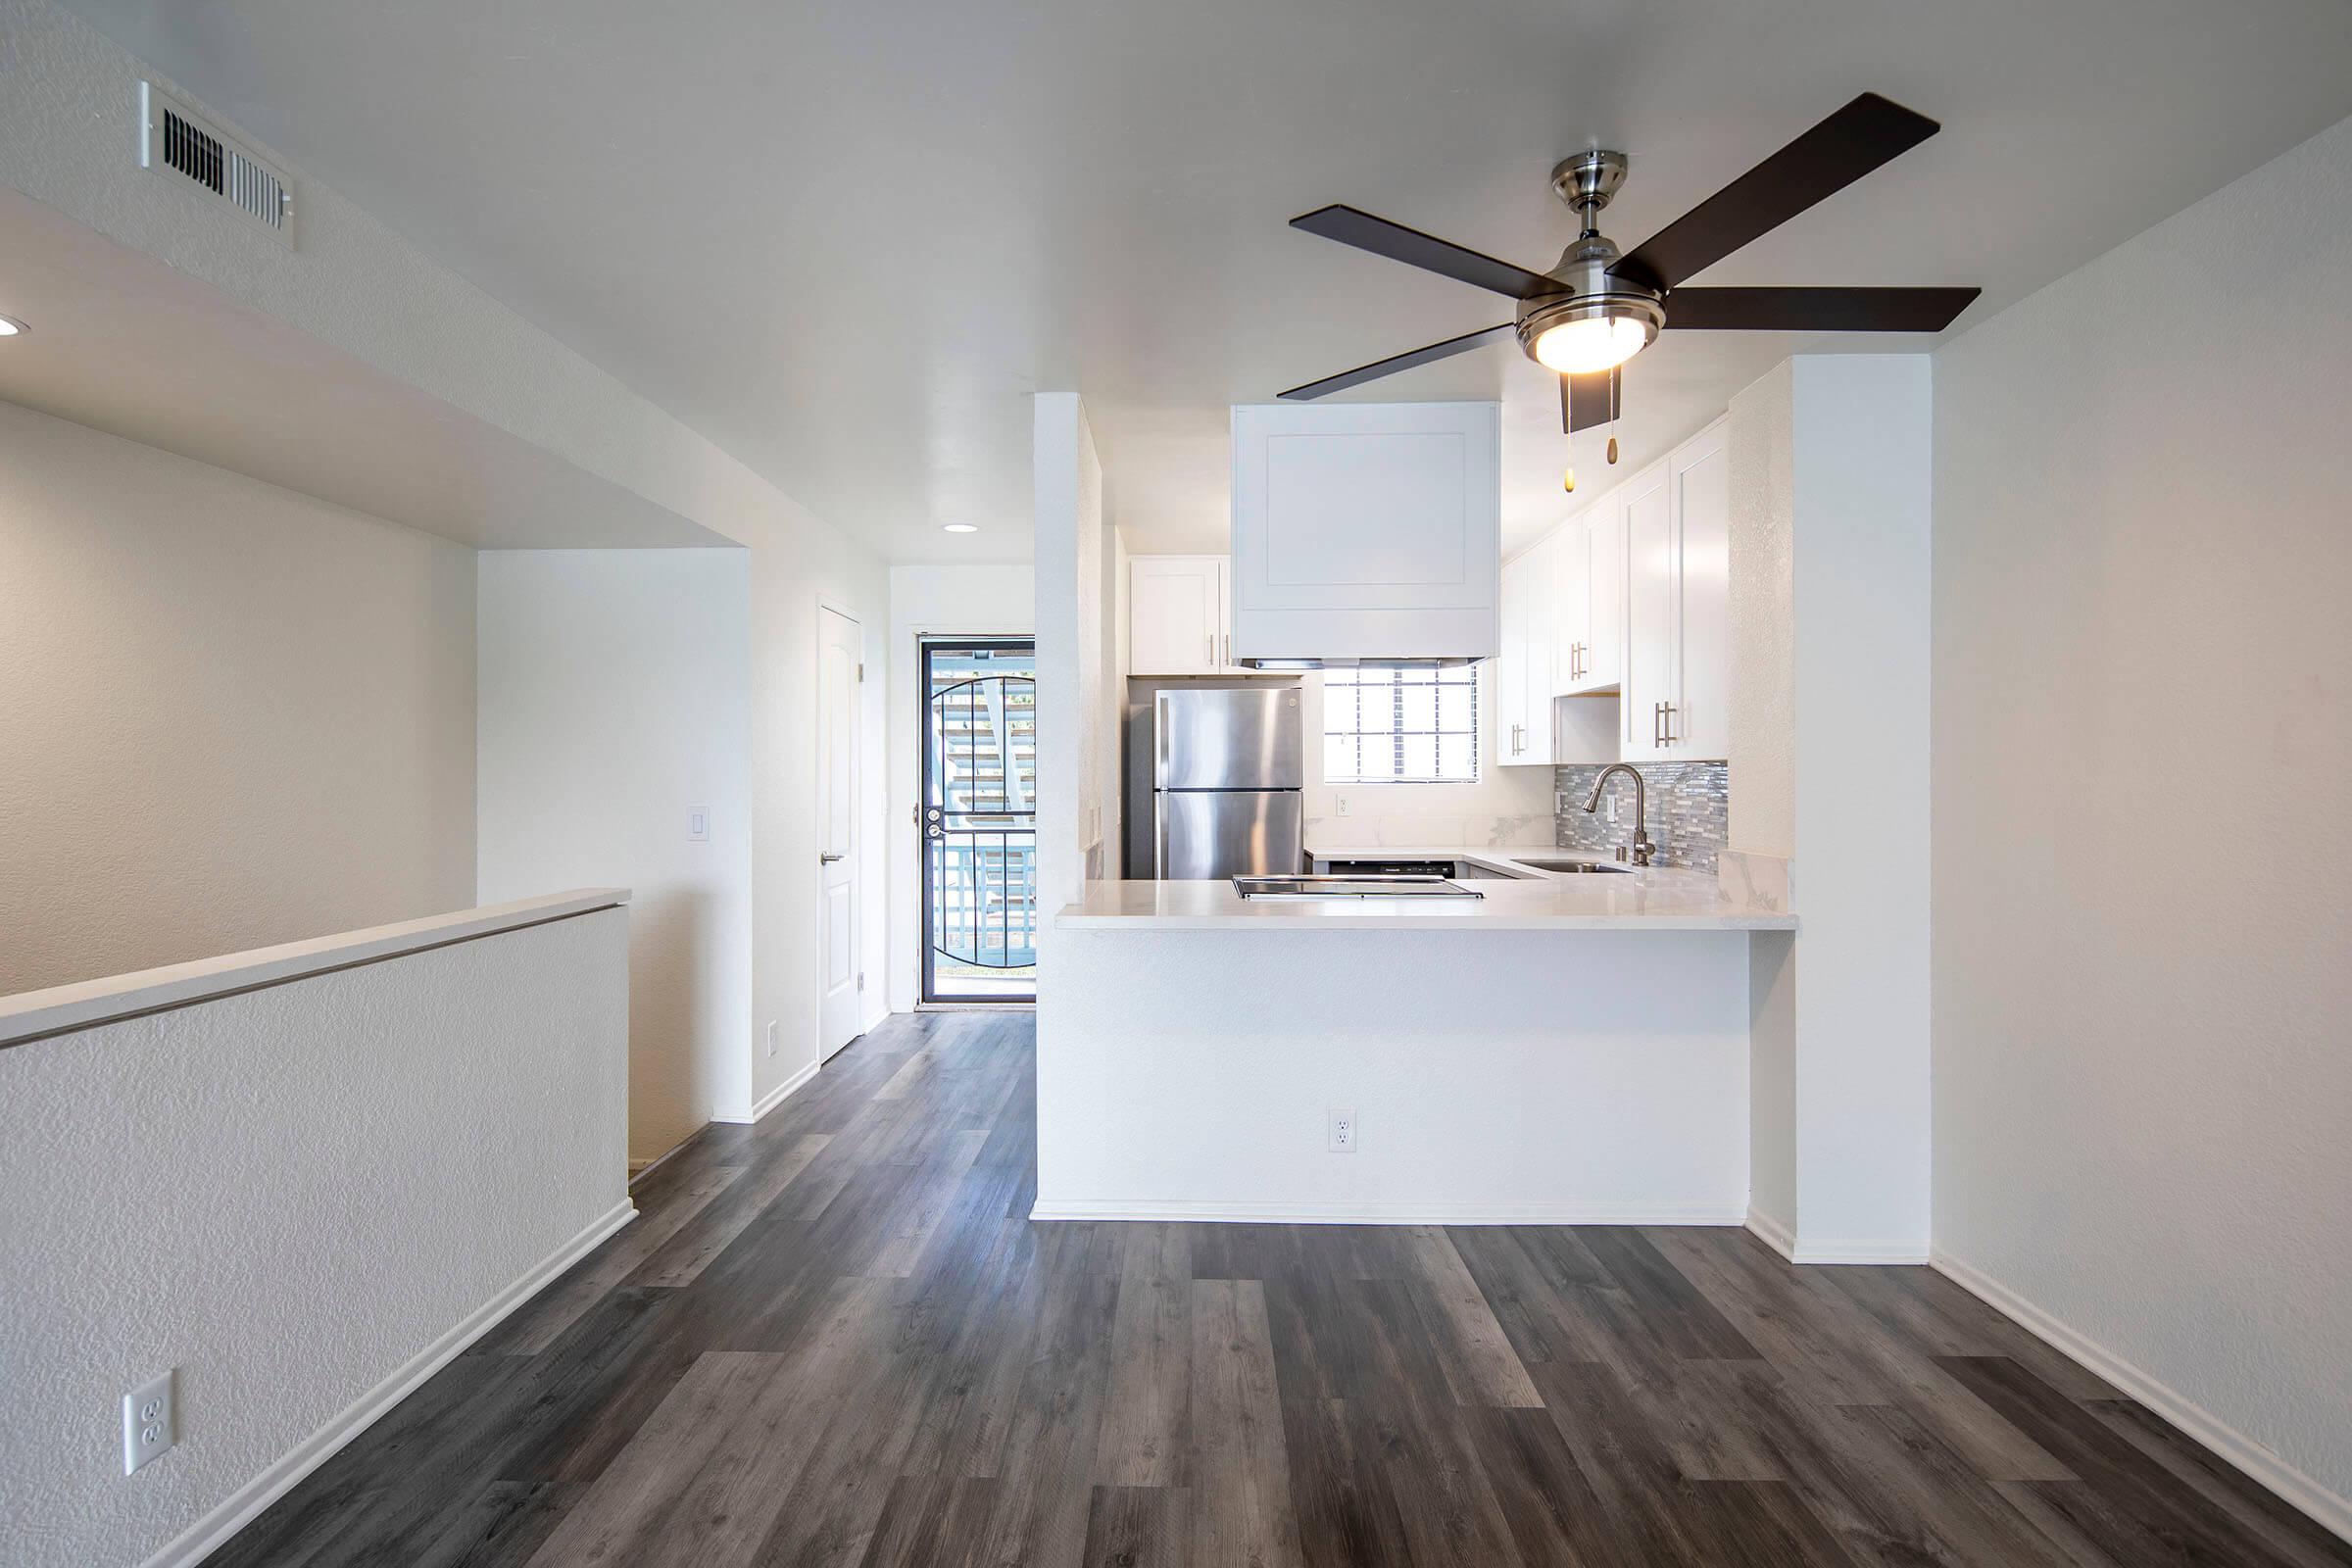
[(2141, 552), (230, 716), (1763, 584), (1688, 805), (614, 695), (286, 1194)]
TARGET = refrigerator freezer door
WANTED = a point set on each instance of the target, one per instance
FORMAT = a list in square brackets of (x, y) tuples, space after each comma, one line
[(1212, 834), (1229, 740)]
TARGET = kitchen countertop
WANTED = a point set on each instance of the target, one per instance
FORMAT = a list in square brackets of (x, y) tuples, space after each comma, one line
[(1650, 899)]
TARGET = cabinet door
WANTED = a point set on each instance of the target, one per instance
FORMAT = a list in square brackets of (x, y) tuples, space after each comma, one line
[(1601, 664), (1175, 614), (1650, 614), (1572, 609), (1701, 724), (1365, 530), (1542, 568), (1511, 681)]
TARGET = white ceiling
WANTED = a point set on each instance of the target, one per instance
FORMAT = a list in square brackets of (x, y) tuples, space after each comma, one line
[(844, 239), (123, 343)]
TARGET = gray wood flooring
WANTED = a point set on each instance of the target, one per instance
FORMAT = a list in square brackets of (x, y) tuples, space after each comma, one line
[(835, 1338)]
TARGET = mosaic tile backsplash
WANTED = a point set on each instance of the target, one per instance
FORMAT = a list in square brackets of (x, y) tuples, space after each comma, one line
[(1689, 811)]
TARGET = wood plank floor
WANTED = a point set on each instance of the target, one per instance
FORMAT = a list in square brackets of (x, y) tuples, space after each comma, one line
[(835, 1338)]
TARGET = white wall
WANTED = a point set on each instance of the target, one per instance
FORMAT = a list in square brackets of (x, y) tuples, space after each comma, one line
[(2140, 650), (357, 286), (1506, 806), (1076, 724), (1863, 502), (288, 1194), (931, 601), (614, 699), (232, 715), (797, 563), (1188, 1074), (1758, 439), (1832, 473)]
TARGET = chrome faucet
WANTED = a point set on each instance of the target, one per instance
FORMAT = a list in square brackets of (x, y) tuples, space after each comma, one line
[(1642, 848)]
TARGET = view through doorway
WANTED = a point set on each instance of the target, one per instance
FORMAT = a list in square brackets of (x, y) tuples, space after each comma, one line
[(979, 820)]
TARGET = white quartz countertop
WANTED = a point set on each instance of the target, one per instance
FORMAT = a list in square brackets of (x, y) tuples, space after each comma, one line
[(1650, 899)]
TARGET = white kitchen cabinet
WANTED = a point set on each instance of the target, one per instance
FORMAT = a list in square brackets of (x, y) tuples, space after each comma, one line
[(1176, 618), (1523, 675), (1592, 629), (1677, 676), (1366, 531)]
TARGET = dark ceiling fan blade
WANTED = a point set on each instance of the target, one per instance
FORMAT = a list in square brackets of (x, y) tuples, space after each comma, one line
[(1584, 399), (1426, 251), (1856, 140), (1400, 361), (1815, 310)]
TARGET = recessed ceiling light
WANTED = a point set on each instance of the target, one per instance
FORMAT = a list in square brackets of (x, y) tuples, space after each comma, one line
[(960, 527), (10, 326)]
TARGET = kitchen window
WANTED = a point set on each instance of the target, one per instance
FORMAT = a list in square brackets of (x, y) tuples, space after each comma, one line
[(1401, 726)]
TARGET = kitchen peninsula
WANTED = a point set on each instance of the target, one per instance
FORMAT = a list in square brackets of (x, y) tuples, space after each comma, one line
[(1562, 1049)]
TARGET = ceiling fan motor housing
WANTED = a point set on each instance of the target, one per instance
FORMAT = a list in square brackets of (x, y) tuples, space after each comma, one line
[(1586, 182)]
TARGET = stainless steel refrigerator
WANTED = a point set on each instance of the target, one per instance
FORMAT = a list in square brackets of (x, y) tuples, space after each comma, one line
[(1228, 780)]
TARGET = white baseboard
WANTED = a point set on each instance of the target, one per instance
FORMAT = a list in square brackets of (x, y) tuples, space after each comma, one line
[(770, 1101), (1253, 1213), (239, 1508), (1775, 1235), (1783, 1241), (2328, 1508)]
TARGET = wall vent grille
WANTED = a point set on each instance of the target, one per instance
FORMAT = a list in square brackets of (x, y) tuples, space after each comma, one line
[(174, 139)]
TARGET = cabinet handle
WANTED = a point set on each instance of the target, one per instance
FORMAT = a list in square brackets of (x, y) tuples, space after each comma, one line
[(1657, 723), (1666, 714), (1228, 650), (1212, 656)]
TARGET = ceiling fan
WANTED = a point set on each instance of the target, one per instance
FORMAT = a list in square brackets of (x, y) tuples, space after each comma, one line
[(1598, 308)]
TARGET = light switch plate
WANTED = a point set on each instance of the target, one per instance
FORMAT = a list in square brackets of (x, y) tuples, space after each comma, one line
[(698, 825)]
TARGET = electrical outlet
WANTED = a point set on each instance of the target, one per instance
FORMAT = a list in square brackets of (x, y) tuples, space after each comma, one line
[(1343, 1132), (150, 1424), (771, 1036), (1612, 804), (1338, 805)]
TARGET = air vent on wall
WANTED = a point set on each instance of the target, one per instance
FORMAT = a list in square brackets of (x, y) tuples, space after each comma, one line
[(175, 140)]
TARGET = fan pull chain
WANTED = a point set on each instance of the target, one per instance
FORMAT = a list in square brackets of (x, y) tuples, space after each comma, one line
[(1612, 418)]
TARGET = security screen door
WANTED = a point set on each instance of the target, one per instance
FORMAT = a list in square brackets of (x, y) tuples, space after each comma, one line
[(979, 820)]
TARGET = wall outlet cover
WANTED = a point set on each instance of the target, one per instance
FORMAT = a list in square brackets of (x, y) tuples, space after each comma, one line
[(771, 1036), (1340, 1131), (150, 1423), (698, 825)]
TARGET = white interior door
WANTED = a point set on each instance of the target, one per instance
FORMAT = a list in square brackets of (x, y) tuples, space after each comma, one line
[(840, 643)]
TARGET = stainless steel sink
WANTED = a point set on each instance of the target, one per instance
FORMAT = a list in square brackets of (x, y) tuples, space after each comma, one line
[(1551, 864)]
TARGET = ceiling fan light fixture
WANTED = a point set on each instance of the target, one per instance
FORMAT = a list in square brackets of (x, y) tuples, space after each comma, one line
[(10, 326), (1581, 336), (1595, 343)]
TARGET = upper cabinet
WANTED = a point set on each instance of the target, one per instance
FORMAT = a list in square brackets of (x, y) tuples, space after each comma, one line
[(1176, 623), (1523, 670), (1676, 698), (1631, 596), (1365, 530), (1591, 656)]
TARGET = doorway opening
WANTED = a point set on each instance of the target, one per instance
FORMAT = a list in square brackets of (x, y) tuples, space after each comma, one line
[(979, 820)]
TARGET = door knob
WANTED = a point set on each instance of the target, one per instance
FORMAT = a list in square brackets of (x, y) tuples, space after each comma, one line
[(828, 857)]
